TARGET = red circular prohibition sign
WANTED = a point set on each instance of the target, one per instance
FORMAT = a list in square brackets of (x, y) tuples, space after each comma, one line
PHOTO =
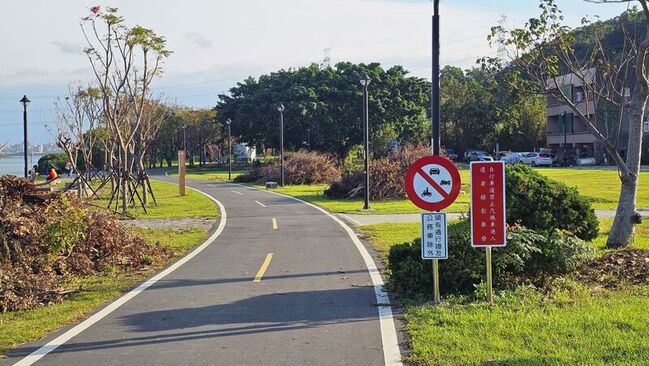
[(417, 169)]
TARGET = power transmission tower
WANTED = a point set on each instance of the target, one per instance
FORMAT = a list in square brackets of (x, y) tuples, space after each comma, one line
[(326, 61), (502, 50)]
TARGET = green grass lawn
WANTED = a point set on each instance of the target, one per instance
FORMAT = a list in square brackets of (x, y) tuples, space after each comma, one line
[(573, 327), (314, 194), (611, 328), (170, 204), (601, 187), (22, 326), (215, 174)]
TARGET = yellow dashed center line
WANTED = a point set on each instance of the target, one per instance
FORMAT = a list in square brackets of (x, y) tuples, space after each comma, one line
[(264, 267), (260, 204), (239, 193), (274, 223)]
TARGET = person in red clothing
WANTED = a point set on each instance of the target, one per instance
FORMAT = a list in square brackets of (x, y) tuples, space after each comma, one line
[(52, 176)]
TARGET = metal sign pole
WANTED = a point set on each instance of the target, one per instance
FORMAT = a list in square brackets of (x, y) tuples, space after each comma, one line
[(436, 296), (490, 295)]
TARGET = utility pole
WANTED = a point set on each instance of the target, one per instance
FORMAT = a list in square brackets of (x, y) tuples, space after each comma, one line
[(280, 109), (228, 122), (435, 116)]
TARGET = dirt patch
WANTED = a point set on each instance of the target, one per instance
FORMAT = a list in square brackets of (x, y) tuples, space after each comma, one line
[(627, 266), (173, 224)]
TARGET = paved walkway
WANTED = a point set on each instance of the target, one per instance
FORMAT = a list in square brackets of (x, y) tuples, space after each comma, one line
[(405, 218)]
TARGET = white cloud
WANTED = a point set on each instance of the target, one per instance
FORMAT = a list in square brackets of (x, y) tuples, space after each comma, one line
[(69, 47), (198, 39)]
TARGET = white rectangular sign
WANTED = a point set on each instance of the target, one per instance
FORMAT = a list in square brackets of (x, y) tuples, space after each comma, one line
[(434, 239)]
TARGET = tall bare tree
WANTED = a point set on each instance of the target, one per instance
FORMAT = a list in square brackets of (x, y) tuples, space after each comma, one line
[(545, 59), (125, 61)]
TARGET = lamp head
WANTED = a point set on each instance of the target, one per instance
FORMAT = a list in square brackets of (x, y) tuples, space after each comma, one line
[(25, 101), (365, 80)]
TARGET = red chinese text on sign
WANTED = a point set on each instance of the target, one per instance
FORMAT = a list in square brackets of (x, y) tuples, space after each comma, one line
[(488, 225)]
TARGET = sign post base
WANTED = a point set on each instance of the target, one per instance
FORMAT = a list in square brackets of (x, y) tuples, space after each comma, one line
[(436, 296), (490, 296)]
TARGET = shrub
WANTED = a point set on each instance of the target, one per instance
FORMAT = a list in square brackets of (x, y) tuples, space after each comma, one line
[(353, 162), (540, 203), (56, 161), (529, 257)]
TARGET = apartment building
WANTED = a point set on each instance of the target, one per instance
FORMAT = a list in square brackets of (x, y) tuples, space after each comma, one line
[(567, 132)]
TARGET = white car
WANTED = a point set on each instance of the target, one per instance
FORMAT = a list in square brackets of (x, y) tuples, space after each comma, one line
[(536, 159), (513, 158)]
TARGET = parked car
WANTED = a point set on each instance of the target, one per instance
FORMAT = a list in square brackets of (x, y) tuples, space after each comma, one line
[(450, 153), (512, 158), (479, 156), (536, 159), (472, 151)]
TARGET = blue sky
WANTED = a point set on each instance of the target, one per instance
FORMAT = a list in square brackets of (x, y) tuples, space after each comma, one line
[(217, 43)]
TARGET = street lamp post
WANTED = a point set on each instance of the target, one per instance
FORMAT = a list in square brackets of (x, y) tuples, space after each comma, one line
[(280, 109), (365, 81), (25, 101), (565, 137), (228, 122)]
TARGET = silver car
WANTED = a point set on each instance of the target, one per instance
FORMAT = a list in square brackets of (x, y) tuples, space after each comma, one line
[(513, 158), (536, 159)]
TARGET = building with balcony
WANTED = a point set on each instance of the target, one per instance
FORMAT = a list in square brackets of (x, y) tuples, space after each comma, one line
[(567, 133)]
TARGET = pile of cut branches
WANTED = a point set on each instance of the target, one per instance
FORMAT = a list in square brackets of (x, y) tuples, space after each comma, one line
[(47, 239)]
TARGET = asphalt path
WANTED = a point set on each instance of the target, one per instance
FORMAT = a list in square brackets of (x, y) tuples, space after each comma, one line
[(283, 283)]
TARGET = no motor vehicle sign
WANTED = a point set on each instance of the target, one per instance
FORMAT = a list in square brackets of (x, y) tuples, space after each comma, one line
[(432, 183)]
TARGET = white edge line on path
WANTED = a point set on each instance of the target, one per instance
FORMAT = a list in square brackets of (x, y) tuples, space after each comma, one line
[(60, 340), (346, 217), (391, 352)]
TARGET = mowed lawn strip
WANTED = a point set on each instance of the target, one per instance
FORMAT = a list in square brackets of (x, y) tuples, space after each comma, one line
[(611, 328), (601, 187), (170, 204), (207, 173), (571, 327)]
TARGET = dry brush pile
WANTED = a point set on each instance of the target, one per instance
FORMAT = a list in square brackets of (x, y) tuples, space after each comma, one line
[(46, 240), (301, 167), (386, 176)]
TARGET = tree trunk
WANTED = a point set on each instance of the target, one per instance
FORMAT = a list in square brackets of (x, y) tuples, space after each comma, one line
[(124, 180), (626, 216), (142, 180)]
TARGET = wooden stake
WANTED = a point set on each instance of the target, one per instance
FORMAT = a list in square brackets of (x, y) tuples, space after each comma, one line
[(181, 172)]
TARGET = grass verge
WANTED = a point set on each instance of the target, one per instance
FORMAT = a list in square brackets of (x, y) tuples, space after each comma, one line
[(215, 174), (574, 325), (170, 204), (573, 328), (600, 187)]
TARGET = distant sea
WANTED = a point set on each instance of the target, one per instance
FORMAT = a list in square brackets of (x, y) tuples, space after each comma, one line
[(14, 164)]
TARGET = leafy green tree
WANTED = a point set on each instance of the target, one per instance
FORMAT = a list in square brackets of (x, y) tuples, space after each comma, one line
[(323, 108), (607, 59)]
